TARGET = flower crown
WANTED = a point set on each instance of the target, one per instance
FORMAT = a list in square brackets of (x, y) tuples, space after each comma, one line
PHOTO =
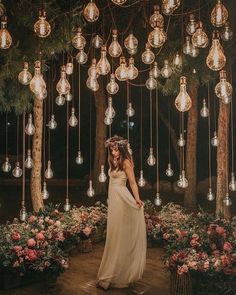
[(114, 143)]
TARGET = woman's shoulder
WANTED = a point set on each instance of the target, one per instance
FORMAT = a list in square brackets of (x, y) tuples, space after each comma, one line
[(128, 164)]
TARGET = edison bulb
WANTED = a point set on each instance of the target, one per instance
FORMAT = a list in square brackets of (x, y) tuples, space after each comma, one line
[(214, 140), (112, 87), (151, 160), (90, 191), (45, 193), (183, 101), (29, 161), (131, 42), (151, 83), (108, 120), (194, 52), (121, 72), (115, 49), (23, 214), (200, 38), (169, 171), (52, 124), (156, 19), (17, 171), (224, 89), (141, 180), (204, 110), (69, 96), (97, 41), (37, 83), (48, 172), (92, 71), (67, 205), (5, 37), (219, 14), (169, 6), (42, 27), (130, 110), (92, 83), (119, 2), (63, 86), (184, 180), (132, 70), (102, 176), (78, 40), (79, 159), (187, 47), (210, 195), (227, 201), (216, 59), (158, 200), (148, 56), (177, 61), (192, 25), (110, 112), (232, 183), (60, 100), (155, 71), (91, 12), (29, 128), (103, 66), (81, 57), (73, 121), (166, 71), (6, 166), (181, 140), (25, 76), (227, 33), (69, 68), (157, 37)]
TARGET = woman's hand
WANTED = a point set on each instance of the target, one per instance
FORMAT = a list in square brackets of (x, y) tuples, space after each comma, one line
[(139, 203)]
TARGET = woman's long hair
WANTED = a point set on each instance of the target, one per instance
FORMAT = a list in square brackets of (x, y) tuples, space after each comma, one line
[(124, 154)]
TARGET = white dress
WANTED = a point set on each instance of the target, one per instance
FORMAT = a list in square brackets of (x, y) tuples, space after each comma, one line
[(124, 256)]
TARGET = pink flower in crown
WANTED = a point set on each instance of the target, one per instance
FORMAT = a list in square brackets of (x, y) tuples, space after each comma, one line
[(217, 264), (87, 231), (31, 254), (32, 218), (17, 248), (15, 236), (31, 242), (192, 264), (220, 230), (58, 223), (194, 243), (40, 236), (166, 236), (206, 265), (228, 247), (182, 269)]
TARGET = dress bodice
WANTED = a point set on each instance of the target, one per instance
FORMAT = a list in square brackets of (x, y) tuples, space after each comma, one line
[(117, 177)]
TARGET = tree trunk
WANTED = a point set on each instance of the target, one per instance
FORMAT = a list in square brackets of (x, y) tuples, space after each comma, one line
[(101, 131), (190, 197), (222, 160), (36, 195)]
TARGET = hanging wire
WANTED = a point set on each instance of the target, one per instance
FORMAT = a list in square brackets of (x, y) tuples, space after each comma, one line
[(90, 136), (209, 134), (79, 93), (23, 159), (6, 135), (141, 130), (67, 151), (183, 149), (44, 140), (128, 94), (157, 141), (150, 110), (180, 149), (169, 120), (214, 105), (17, 139), (232, 131)]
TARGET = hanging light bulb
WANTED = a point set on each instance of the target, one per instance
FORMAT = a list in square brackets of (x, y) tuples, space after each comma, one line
[(45, 193), (37, 83), (158, 200), (219, 14), (63, 86), (52, 124), (81, 57), (155, 71), (224, 89), (169, 170), (130, 110), (67, 205), (29, 128), (169, 6), (214, 140), (184, 180), (115, 49), (177, 61), (112, 87), (73, 121), (191, 25), (156, 19), (48, 172), (29, 161), (148, 56), (91, 12), (216, 59), (110, 112), (204, 110), (17, 171), (103, 66), (181, 140), (131, 42), (166, 71), (227, 33), (180, 181), (92, 83), (187, 47), (227, 201), (108, 120), (23, 214), (232, 183), (121, 72), (69, 68), (151, 160), (119, 2), (78, 40), (25, 76), (157, 37), (141, 180), (97, 42), (42, 28), (102, 176), (183, 101), (5, 37), (195, 51), (200, 38), (132, 70), (92, 71), (68, 96), (210, 195), (90, 191), (60, 100), (6, 166), (79, 159), (151, 83)]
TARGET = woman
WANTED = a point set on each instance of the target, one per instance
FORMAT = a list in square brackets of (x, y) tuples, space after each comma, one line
[(124, 256)]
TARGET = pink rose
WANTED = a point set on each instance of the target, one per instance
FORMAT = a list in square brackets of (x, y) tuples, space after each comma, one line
[(194, 243), (57, 223), (31, 242), (220, 230), (166, 236), (32, 254), (227, 246), (32, 218), (206, 265), (17, 248), (15, 236), (192, 264), (40, 236), (87, 231), (182, 269)]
